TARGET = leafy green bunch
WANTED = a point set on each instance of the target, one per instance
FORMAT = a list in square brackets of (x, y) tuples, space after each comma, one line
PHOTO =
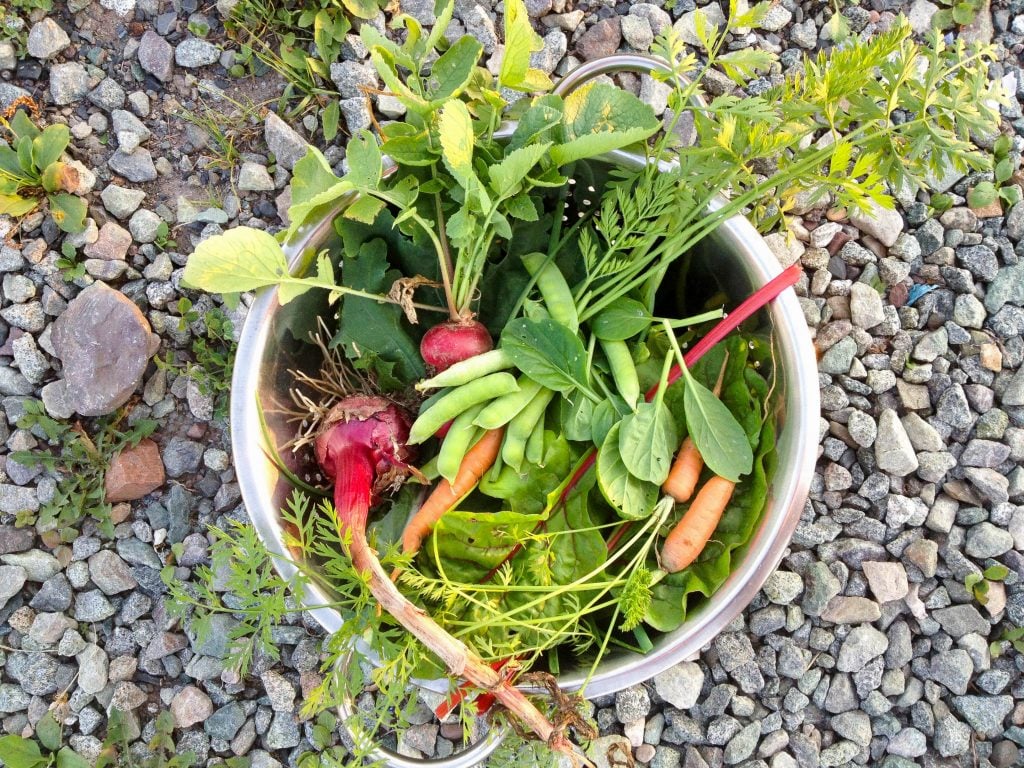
[(31, 169)]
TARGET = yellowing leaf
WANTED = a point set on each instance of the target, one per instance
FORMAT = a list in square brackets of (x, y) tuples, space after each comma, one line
[(520, 42), (600, 118), (242, 259), (456, 132)]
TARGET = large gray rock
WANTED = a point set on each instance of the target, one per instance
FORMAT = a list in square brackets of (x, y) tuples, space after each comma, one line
[(12, 579), (193, 52), (68, 83), (136, 166), (893, 449), (104, 342)]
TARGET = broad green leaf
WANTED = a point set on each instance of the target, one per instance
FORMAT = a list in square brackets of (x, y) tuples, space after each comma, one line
[(719, 438), (409, 150), (456, 134), (964, 13), (632, 497), (452, 72), (538, 122), (363, 9), (982, 195), (576, 414), (241, 259), (1003, 170), (310, 176), (329, 119), (48, 731), (25, 157), (600, 118), (623, 319), (460, 226), (364, 208), (647, 441), (514, 168), (298, 213), (520, 42), (364, 161), (68, 758), (48, 146), (68, 211), (16, 205), (20, 753), (522, 207), (22, 126), (547, 352)]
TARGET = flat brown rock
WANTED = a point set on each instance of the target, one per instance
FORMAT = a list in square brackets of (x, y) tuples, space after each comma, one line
[(134, 472)]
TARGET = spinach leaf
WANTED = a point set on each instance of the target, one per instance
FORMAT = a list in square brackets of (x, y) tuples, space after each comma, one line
[(647, 441), (718, 436), (605, 415), (632, 497), (374, 326), (623, 319), (576, 415), (547, 352)]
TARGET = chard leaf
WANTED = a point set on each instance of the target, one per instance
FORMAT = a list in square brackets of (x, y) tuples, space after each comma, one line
[(547, 352), (647, 440), (514, 168), (632, 497), (452, 72), (719, 438), (600, 118)]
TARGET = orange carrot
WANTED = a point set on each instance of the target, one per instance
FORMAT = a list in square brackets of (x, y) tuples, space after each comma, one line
[(478, 460), (682, 478), (692, 533)]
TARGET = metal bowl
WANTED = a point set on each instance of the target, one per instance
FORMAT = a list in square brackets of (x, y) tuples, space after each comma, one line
[(270, 345)]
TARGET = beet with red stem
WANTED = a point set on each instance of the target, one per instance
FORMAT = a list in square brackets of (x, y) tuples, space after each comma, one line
[(363, 450)]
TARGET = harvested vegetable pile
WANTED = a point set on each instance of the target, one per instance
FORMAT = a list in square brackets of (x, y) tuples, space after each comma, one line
[(507, 330)]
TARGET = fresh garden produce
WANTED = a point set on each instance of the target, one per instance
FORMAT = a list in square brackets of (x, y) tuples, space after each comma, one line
[(515, 311)]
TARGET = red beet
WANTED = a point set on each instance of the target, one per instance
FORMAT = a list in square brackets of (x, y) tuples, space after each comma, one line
[(453, 341)]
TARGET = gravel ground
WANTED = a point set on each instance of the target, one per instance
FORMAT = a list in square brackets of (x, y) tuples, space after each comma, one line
[(864, 648)]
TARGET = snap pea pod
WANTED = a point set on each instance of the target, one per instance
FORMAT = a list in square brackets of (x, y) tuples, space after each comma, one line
[(553, 289), (469, 369), (502, 410), (458, 400), (535, 444), (513, 449), (461, 435), (620, 362)]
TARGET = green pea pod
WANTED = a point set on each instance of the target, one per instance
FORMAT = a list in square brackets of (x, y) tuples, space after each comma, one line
[(620, 361), (469, 369), (513, 448), (502, 410), (458, 400), (553, 289), (461, 435), (535, 444)]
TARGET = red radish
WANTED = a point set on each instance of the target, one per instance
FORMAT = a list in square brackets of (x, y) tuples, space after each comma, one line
[(363, 450), (453, 341)]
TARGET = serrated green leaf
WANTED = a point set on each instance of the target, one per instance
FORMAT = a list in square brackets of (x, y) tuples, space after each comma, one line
[(364, 208), (460, 226), (310, 176), (743, 64), (600, 118), (452, 72), (515, 166), (522, 207)]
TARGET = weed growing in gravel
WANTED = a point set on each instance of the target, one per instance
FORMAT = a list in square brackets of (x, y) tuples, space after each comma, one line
[(14, 24), (82, 463), (213, 354), (45, 751), (163, 753), (31, 169), (229, 132), (1003, 188), (978, 583)]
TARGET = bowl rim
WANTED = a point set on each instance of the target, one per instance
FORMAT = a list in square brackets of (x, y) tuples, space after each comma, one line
[(788, 490)]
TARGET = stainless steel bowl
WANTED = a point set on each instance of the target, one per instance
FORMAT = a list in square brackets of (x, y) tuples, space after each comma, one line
[(270, 346)]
